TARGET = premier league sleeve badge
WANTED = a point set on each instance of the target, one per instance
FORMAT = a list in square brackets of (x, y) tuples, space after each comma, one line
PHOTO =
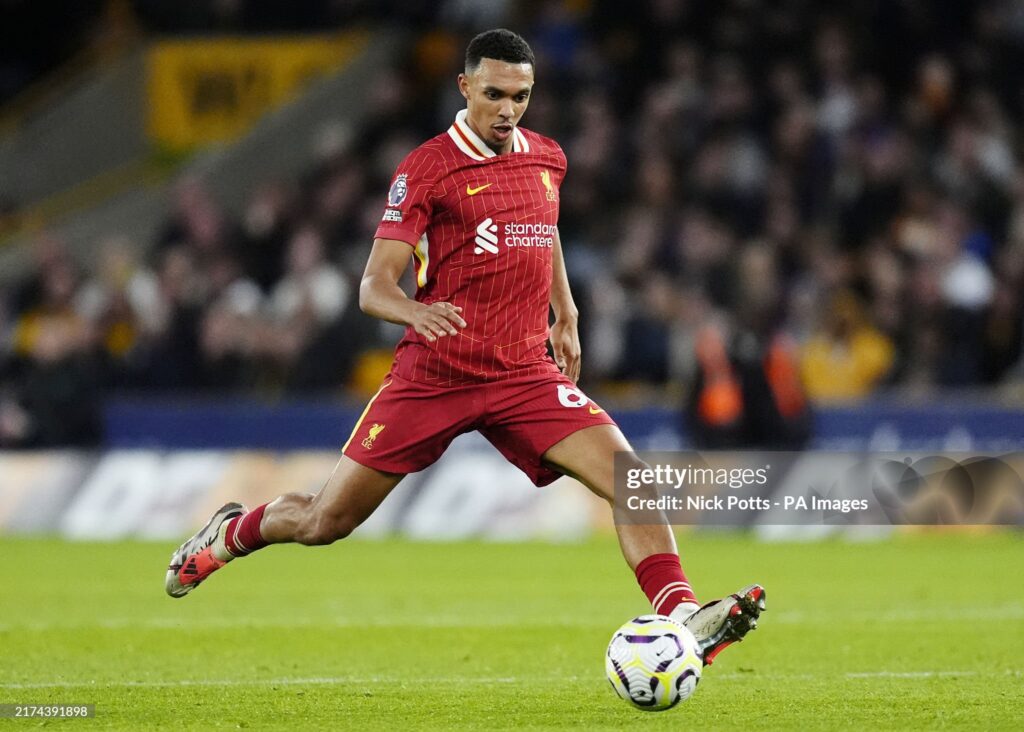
[(399, 190)]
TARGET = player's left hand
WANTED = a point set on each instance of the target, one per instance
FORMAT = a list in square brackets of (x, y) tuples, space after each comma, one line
[(565, 343)]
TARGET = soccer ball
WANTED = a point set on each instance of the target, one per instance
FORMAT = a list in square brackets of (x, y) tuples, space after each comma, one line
[(653, 662)]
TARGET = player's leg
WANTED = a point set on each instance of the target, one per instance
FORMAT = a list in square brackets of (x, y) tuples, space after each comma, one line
[(547, 427), (351, 494), (589, 456), (405, 427)]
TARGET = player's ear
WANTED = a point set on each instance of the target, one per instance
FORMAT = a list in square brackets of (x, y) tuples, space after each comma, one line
[(464, 86)]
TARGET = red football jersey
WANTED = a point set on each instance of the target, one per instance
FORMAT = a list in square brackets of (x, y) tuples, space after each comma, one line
[(482, 227)]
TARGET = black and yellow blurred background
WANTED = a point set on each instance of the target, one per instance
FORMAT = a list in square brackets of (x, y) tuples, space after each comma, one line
[(787, 224)]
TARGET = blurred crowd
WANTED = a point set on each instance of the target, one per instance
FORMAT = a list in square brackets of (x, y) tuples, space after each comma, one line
[(838, 187)]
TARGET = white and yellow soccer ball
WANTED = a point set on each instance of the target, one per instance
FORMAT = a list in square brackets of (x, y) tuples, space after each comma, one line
[(653, 662)]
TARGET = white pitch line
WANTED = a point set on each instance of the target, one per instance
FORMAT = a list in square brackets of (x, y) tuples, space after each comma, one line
[(212, 623), (314, 681), (867, 675), (1013, 611), (462, 680), (759, 677), (910, 674)]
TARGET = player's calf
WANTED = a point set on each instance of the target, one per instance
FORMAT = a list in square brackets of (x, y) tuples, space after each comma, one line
[(318, 528), (662, 579)]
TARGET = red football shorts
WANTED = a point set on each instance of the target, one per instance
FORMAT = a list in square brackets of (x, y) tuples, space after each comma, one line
[(407, 425)]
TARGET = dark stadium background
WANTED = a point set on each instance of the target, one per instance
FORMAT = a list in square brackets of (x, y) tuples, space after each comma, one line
[(843, 183)]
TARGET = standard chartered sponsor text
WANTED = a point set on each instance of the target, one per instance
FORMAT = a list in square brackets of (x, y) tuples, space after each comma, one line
[(529, 235)]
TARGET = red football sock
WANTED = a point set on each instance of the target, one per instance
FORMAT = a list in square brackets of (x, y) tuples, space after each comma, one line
[(662, 580), (243, 535)]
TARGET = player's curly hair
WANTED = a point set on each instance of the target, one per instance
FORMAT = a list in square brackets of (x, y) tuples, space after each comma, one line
[(499, 44)]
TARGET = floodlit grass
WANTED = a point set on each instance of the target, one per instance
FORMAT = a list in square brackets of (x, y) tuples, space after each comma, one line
[(918, 631)]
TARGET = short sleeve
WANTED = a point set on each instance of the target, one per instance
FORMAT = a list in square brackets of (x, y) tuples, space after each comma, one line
[(409, 207)]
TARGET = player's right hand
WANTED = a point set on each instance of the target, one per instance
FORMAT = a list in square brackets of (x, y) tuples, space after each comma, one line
[(438, 319)]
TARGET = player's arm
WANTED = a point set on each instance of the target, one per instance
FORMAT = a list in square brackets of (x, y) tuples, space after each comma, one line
[(381, 297), (565, 337)]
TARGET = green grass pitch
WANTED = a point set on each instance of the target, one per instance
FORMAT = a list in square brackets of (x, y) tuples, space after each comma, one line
[(918, 631)]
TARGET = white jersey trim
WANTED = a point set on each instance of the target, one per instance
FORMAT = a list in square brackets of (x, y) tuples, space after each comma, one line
[(470, 143), (519, 142)]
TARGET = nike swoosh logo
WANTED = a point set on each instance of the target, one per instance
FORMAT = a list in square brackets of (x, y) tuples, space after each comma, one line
[(474, 191), (596, 410)]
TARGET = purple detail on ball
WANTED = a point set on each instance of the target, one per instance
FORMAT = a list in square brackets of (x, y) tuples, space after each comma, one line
[(647, 702), (621, 674), (684, 676), (641, 638)]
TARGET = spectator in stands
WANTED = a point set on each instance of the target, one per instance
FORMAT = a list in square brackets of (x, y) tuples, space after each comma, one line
[(49, 377), (747, 391), (306, 305), (54, 312), (646, 352), (848, 357), (56, 398), (313, 291), (199, 223), (169, 358), (121, 302), (266, 223)]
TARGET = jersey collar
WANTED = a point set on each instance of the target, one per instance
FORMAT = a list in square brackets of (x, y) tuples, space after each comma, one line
[(470, 143)]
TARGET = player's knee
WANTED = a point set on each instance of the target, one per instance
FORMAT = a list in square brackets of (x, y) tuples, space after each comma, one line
[(612, 485), (629, 461), (340, 527), (322, 529)]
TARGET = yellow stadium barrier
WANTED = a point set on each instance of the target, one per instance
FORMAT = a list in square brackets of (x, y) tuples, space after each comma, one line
[(204, 91)]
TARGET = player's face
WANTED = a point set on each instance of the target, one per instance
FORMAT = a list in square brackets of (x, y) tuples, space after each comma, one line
[(497, 93)]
